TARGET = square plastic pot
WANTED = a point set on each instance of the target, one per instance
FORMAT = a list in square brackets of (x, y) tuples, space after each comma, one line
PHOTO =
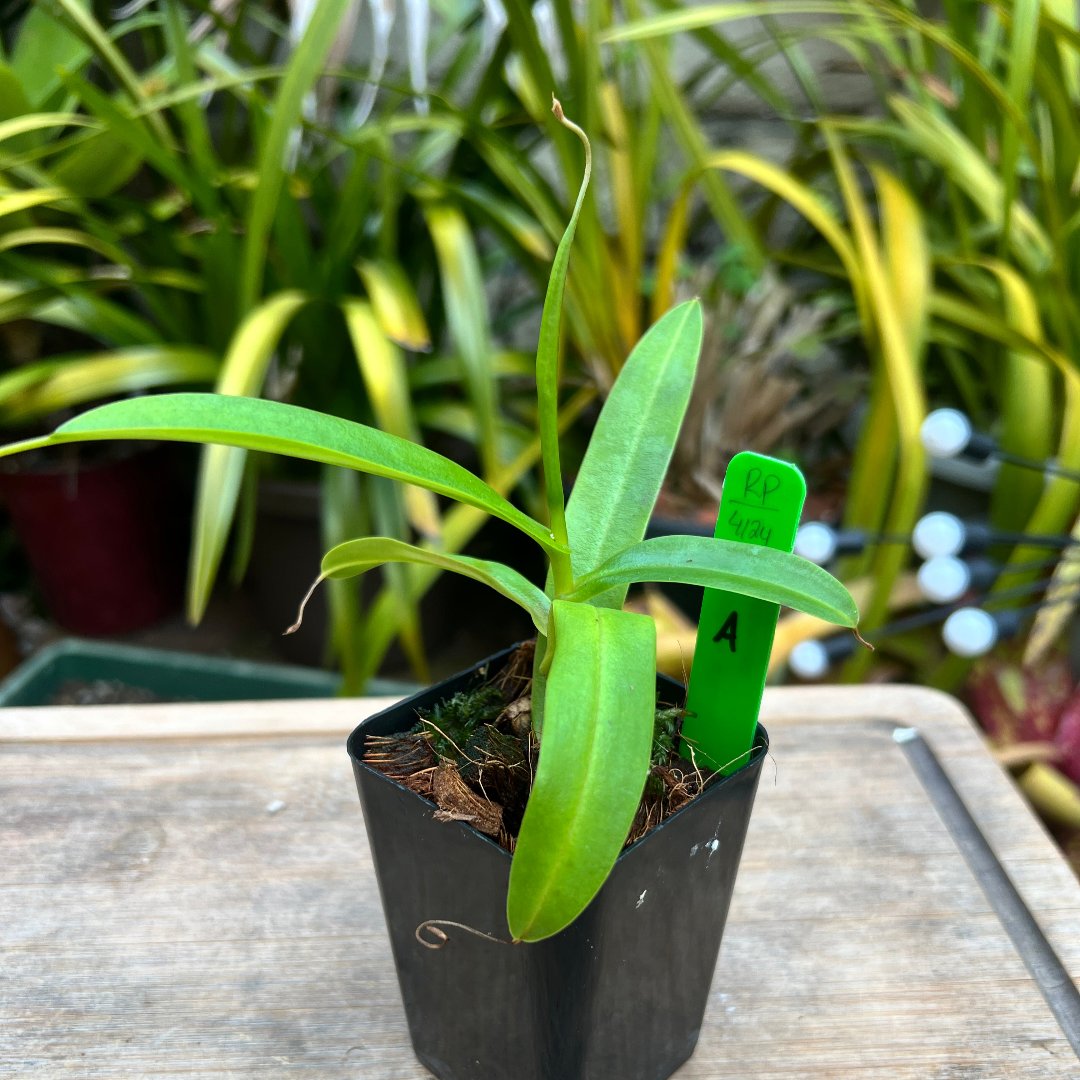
[(618, 995)]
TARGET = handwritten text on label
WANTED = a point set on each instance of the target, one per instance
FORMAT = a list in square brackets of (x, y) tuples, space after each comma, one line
[(749, 529), (760, 485)]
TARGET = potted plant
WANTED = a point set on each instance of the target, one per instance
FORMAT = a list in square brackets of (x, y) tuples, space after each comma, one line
[(585, 957)]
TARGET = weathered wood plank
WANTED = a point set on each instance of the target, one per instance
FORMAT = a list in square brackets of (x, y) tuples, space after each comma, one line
[(219, 720), (205, 906)]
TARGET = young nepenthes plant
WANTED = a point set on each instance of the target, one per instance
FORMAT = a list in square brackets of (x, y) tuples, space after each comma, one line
[(594, 688)]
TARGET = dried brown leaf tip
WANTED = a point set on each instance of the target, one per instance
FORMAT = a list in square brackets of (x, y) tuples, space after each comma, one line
[(556, 108)]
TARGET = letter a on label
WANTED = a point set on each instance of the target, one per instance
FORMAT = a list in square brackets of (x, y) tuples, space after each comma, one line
[(729, 631)]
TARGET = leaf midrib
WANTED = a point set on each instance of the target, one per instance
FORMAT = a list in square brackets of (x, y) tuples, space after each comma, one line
[(558, 865)]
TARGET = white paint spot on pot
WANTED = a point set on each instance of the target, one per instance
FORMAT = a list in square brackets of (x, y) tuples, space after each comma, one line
[(711, 845), (640, 899)]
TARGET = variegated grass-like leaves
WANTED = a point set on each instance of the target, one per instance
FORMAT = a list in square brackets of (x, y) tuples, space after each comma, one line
[(973, 242)]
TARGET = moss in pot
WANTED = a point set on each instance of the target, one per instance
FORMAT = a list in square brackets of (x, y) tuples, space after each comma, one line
[(553, 985)]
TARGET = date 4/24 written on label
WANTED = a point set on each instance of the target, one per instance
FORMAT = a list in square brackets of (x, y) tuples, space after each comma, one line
[(748, 528)]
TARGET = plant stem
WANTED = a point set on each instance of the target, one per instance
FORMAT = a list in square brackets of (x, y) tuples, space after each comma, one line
[(547, 374)]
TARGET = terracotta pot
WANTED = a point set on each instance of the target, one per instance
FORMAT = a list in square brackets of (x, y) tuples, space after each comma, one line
[(104, 540)]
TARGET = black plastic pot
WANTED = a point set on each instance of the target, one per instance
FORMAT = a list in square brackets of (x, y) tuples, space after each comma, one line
[(619, 995)]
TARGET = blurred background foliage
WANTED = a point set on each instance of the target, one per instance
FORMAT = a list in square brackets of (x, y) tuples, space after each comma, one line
[(946, 210), (349, 206), (353, 205)]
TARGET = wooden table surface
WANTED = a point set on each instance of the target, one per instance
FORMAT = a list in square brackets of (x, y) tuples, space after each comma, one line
[(187, 891)]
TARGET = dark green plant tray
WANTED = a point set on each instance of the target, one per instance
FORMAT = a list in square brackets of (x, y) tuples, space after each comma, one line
[(170, 676)]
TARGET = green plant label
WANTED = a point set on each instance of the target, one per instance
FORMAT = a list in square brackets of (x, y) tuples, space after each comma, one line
[(761, 505)]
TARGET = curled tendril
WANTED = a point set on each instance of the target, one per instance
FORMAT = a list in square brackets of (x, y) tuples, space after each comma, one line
[(433, 928)]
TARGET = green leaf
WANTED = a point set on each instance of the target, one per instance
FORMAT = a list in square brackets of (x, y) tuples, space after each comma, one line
[(457, 419), (76, 238), (594, 760), (98, 166), (304, 69), (13, 202), (84, 312), (900, 361), (776, 576), (13, 99), (344, 513), (382, 367), (520, 227), (388, 516), (357, 556), (548, 355), (29, 123), (221, 468), (442, 371), (44, 47), (252, 347), (276, 428), (127, 139), (722, 201), (226, 77), (192, 118), (62, 382), (395, 303), (81, 18), (1027, 392), (694, 17), (1025, 15), (936, 139), (632, 443), (802, 197), (459, 526), (465, 302), (905, 255)]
